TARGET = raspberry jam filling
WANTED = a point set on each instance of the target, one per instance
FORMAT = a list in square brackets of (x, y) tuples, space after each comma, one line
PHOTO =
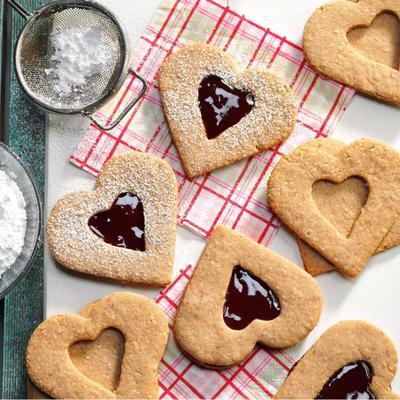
[(248, 298), (350, 382), (222, 106), (122, 225)]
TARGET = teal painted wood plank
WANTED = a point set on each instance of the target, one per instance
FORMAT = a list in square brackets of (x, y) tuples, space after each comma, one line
[(24, 305)]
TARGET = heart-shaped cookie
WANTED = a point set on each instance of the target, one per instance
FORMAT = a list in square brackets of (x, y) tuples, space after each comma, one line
[(380, 41), (341, 205), (100, 360), (218, 115), (242, 293), (336, 48), (290, 196), (351, 358), (123, 230), (143, 326)]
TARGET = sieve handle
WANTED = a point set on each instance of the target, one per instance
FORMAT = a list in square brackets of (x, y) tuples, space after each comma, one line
[(126, 110), (18, 7)]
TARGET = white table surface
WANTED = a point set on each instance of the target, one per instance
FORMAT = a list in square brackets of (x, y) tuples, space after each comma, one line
[(374, 296)]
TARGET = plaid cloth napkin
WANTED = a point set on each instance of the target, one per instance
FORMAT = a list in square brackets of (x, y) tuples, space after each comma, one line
[(257, 377), (235, 195)]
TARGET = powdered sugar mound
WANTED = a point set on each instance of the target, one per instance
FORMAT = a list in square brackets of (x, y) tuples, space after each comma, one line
[(12, 221), (78, 56)]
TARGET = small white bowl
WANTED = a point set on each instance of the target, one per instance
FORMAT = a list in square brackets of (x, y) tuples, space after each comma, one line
[(15, 168)]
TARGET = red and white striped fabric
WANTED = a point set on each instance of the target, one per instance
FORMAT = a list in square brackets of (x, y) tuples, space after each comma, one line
[(257, 377), (235, 195)]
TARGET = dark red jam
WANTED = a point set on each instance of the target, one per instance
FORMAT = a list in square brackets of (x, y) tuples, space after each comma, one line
[(222, 106), (123, 224), (248, 298), (350, 382)]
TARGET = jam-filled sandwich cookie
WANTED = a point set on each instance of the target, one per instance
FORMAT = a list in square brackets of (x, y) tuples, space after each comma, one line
[(351, 360), (142, 324), (123, 230), (290, 195), (242, 293), (218, 114), (356, 43)]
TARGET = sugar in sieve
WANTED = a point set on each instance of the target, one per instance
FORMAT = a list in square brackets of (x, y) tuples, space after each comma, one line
[(34, 51)]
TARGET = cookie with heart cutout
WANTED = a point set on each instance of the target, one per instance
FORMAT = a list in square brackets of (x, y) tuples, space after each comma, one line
[(357, 43), (352, 359), (125, 229), (143, 326), (218, 115), (341, 205), (314, 263), (100, 360), (290, 197), (241, 294)]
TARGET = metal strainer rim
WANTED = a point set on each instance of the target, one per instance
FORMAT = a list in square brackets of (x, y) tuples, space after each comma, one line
[(113, 85)]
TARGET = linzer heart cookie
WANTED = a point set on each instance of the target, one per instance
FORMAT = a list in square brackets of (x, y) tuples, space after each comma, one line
[(100, 360), (351, 360), (357, 43), (123, 230), (219, 115), (341, 205), (290, 196), (242, 293), (144, 328)]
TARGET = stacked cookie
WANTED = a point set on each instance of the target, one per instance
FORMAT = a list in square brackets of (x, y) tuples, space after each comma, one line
[(365, 226)]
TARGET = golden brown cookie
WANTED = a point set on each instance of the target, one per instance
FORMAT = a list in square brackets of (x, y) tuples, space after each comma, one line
[(51, 366), (290, 196), (219, 115), (341, 204), (242, 293), (357, 43), (100, 360), (351, 356), (123, 230)]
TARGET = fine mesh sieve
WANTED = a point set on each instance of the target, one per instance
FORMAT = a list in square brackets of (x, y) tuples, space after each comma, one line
[(35, 48)]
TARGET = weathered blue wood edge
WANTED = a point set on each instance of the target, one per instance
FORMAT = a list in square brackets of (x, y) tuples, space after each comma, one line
[(24, 305)]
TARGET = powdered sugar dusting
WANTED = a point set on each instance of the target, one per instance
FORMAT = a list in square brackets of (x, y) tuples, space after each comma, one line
[(12, 221), (78, 55), (269, 122), (75, 246)]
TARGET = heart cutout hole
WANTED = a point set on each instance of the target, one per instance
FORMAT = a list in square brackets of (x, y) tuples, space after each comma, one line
[(100, 360), (353, 381), (248, 298), (341, 203), (122, 225), (221, 105), (380, 41)]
